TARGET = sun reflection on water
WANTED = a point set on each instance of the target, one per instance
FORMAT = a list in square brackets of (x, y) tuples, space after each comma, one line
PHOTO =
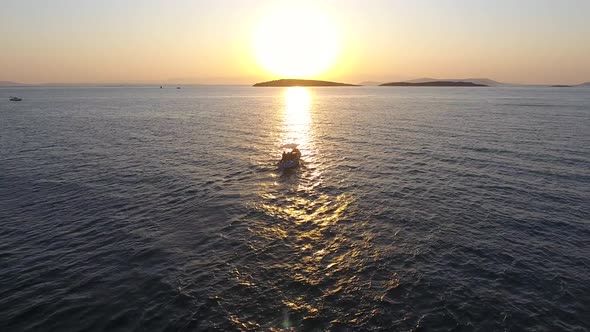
[(306, 232), (297, 117)]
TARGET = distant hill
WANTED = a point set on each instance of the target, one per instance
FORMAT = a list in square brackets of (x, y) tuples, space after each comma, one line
[(435, 83), (484, 81), (295, 82), (97, 85), (584, 84), (370, 83), (9, 83)]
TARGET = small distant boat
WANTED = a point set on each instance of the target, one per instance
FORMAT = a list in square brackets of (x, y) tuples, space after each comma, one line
[(160, 86), (15, 99), (178, 87), (290, 159)]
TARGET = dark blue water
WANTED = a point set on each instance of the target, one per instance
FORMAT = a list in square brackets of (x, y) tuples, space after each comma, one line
[(416, 209)]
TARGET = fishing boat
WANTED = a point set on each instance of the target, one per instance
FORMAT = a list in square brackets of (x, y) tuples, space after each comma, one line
[(290, 159), (15, 99)]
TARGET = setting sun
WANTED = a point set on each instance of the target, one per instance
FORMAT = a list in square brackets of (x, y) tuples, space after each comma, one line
[(296, 42)]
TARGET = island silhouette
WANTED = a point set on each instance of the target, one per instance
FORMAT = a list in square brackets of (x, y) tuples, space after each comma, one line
[(297, 82), (435, 83), (480, 80), (288, 82)]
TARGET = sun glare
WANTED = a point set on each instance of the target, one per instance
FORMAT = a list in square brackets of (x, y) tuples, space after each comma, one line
[(296, 43)]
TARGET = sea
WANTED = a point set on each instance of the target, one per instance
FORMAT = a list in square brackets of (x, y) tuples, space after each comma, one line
[(413, 209)]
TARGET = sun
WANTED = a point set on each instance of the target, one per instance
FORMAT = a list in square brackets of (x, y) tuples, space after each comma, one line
[(296, 42)]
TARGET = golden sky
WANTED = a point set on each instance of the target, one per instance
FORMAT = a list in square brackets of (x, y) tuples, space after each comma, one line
[(244, 41)]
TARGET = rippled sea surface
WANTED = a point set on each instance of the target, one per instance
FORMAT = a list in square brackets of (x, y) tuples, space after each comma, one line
[(431, 209)]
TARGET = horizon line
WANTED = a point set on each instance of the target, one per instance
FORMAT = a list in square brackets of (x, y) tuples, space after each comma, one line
[(169, 83)]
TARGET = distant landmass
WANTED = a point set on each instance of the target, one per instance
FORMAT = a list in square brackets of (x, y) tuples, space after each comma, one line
[(584, 84), (484, 81), (560, 86), (9, 83), (295, 82), (370, 83), (434, 83)]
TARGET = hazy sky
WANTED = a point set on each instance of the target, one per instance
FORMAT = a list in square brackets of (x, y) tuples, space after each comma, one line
[(535, 41)]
